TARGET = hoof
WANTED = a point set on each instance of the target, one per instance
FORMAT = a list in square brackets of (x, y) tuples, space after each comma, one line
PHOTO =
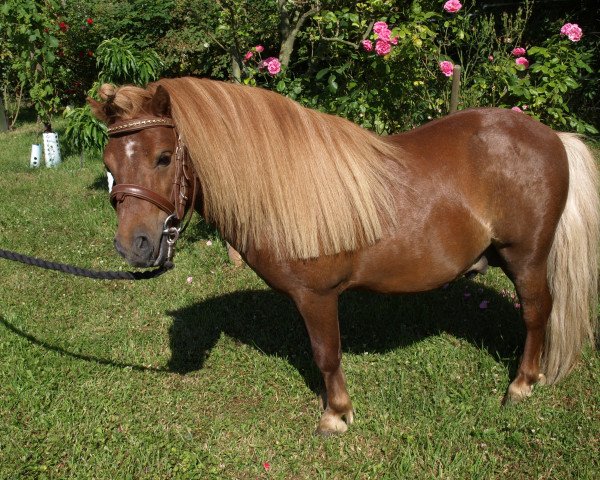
[(517, 392), (234, 256), (332, 424), (516, 395)]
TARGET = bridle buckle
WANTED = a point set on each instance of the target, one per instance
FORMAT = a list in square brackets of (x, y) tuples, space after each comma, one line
[(171, 231)]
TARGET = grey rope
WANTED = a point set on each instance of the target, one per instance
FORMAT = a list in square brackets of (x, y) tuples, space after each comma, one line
[(83, 272)]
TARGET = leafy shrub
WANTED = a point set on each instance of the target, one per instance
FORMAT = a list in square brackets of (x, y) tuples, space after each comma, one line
[(376, 62), (119, 60)]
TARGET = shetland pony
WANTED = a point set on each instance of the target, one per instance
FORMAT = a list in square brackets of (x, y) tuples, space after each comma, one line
[(317, 205)]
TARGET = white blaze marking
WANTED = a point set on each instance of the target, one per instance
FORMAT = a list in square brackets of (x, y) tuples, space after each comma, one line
[(130, 148)]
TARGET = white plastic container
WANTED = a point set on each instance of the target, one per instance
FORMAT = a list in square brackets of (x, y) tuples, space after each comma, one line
[(51, 149), (36, 156)]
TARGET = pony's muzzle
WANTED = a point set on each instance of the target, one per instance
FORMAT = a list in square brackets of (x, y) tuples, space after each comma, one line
[(140, 251)]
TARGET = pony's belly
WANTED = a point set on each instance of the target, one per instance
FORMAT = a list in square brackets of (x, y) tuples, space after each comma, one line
[(409, 281), (396, 266), (421, 279)]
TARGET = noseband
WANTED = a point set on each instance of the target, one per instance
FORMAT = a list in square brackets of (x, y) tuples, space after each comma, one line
[(185, 182)]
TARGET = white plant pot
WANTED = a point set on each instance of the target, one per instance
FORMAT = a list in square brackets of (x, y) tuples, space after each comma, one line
[(51, 149), (36, 156)]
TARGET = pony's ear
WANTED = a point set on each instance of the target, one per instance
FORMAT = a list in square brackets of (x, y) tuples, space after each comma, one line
[(161, 102), (98, 109)]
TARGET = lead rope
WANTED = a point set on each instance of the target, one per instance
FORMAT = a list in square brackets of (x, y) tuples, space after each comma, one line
[(171, 233), (84, 272)]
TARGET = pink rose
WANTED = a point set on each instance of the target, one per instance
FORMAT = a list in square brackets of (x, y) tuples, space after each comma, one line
[(379, 26), (446, 68), (273, 65), (384, 42), (572, 31), (248, 56), (575, 34), (259, 48), (518, 52), (522, 61), (491, 58), (382, 47), (384, 34), (517, 109), (452, 6)]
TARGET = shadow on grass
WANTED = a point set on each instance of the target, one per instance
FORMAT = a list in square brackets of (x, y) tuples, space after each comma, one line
[(80, 356), (100, 183), (369, 322)]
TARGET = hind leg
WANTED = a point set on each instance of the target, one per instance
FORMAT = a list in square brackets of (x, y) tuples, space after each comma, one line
[(536, 302)]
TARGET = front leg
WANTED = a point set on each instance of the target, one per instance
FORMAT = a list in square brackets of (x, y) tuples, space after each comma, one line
[(320, 313)]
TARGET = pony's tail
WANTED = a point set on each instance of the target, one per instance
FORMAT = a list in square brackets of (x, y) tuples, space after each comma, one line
[(573, 265)]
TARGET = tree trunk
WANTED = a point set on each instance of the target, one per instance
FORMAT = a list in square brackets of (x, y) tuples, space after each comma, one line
[(290, 24), (3, 121)]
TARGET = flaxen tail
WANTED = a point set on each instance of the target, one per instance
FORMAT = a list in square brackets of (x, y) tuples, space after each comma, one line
[(573, 265)]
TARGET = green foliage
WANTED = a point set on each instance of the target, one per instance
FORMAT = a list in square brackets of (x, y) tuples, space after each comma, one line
[(405, 88), (84, 132), (557, 72), (28, 33), (319, 44), (119, 60)]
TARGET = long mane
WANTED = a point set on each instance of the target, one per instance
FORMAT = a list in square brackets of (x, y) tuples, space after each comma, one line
[(275, 173)]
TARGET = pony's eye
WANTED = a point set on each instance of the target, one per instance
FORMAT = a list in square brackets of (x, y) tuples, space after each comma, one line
[(164, 159)]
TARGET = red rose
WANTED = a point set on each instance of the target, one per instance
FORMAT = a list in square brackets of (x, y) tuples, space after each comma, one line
[(89, 21)]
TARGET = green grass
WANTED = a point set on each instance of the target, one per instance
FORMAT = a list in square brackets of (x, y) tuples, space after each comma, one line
[(164, 379)]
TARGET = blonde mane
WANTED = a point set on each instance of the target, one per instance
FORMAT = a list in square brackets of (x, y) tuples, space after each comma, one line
[(275, 173)]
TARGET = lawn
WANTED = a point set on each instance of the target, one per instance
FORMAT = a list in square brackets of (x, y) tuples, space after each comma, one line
[(165, 378)]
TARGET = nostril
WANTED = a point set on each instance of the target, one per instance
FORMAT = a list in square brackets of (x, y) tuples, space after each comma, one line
[(141, 243)]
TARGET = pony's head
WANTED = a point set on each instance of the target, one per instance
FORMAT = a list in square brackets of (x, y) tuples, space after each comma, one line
[(152, 181)]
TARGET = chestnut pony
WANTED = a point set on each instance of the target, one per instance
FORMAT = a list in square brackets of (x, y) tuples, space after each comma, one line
[(317, 205)]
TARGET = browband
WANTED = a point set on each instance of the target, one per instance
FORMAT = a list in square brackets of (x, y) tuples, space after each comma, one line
[(127, 126)]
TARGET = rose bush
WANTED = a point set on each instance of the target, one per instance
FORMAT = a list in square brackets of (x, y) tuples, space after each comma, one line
[(385, 65)]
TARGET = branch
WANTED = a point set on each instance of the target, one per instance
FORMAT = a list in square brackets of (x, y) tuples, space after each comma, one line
[(346, 42), (368, 31), (213, 38), (339, 40), (304, 17)]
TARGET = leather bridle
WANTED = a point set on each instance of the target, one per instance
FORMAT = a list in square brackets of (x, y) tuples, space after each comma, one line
[(185, 182)]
